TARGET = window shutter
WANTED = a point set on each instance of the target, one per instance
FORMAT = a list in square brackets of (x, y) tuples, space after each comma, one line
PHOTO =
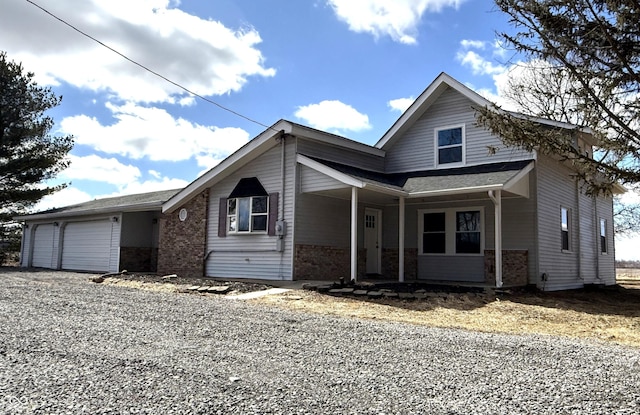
[(273, 213), (222, 218)]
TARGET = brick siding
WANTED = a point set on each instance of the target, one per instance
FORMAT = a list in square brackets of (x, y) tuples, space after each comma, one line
[(182, 244), (390, 263), (138, 259), (515, 266), (328, 263)]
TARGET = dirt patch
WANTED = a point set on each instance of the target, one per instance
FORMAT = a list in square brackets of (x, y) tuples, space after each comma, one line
[(611, 315), (179, 284)]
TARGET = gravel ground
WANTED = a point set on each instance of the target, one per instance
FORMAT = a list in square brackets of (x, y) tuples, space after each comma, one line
[(71, 346)]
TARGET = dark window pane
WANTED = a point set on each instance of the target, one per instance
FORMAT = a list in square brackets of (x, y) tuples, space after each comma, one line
[(259, 223), (603, 244), (449, 137), (433, 243), (468, 243), (259, 204), (450, 155), (243, 214), (232, 206), (565, 240), (434, 222), (468, 221)]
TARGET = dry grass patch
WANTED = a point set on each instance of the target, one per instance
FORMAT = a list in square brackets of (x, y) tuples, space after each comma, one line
[(606, 315)]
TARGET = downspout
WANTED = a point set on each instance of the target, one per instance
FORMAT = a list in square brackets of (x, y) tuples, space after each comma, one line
[(577, 227), (597, 236), (282, 172), (280, 242), (496, 198)]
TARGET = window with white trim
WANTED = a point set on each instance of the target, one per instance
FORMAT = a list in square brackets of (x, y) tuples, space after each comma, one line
[(451, 231), (450, 146), (247, 214), (565, 228), (247, 208), (603, 236)]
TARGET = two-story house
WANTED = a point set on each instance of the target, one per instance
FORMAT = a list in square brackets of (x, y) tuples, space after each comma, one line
[(437, 199)]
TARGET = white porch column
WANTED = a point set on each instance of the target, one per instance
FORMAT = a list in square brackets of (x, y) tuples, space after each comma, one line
[(354, 233), (401, 240), (496, 197)]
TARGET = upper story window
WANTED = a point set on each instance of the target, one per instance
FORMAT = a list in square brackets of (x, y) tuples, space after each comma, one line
[(450, 146)]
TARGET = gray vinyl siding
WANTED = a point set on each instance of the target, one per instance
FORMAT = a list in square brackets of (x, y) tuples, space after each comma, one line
[(519, 227), (253, 255), (415, 149), (606, 262), (323, 221), (340, 155), (313, 181), (450, 267), (556, 189)]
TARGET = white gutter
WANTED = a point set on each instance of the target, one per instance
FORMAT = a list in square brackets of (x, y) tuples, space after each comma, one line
[(98, 211), (460, 190)]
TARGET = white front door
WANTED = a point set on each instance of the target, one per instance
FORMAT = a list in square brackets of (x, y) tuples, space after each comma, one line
[(372, 239)]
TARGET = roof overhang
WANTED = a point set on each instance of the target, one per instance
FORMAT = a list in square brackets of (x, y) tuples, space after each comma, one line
[(143, 207), (348, 179)]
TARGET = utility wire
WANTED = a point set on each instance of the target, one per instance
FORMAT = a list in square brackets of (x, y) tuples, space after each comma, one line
[(148, 69)]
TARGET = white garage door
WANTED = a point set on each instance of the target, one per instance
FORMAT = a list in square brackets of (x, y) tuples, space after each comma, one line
[(43, 246), (87, 246)]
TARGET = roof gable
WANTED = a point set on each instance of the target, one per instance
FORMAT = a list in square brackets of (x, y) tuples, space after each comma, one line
[(422, 104)]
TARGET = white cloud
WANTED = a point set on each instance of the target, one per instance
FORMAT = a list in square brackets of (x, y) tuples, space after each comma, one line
[(398, 19), (154, 133), (151, 186), (96, 168), (473, 44), (478, 64), (401, 104), (203, 55), (333, 115), (65, 197)]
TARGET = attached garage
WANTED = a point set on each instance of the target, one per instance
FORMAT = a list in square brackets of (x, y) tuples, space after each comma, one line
[(86, 246), (102, 235)]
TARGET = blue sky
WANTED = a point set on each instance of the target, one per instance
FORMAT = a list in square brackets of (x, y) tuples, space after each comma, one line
[(344, 66)]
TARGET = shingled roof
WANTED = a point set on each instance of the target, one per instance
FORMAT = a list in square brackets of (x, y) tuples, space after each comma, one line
[(128, 203)]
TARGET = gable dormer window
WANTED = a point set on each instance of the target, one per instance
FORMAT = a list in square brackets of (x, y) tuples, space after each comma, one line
[(248, 207), (450, 146)]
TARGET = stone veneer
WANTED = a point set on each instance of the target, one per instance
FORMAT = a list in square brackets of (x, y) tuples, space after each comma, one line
[(182, 245), (390, 263), (515, 267), (328, 263)]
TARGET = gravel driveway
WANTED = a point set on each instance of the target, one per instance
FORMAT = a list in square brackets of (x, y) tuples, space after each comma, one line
[(71, 346)]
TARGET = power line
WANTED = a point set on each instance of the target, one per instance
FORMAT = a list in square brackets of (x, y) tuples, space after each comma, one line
[(148, 69)]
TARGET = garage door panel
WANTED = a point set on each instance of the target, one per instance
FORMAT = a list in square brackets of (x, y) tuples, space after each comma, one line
[(43, 246), (87, 246)]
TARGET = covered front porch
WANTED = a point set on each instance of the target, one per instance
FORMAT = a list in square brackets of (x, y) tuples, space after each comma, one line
[(391, 230)]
